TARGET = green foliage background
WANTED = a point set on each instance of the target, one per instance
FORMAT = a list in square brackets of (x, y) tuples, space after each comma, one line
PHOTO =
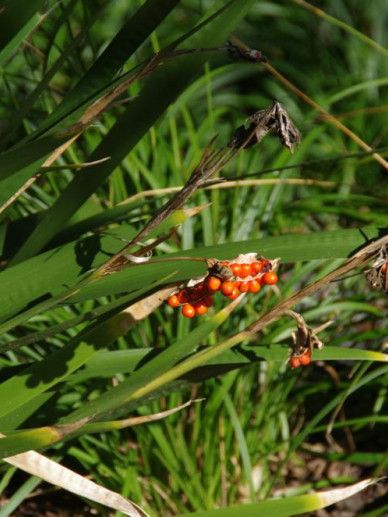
[(67, 353)]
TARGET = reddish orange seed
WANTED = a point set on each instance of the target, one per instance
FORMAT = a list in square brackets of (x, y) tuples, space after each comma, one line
[(244, 287), (234, 293), (227, 288), (270, 278), (173, 301), (200, 308), (245, 270), (294, 361), (384, 268), (236, 268), (188, 311), (305, 359), (254, 286), (213, 283), (256, 267)]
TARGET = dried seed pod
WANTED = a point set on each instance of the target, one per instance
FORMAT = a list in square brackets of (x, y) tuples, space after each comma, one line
[(377, 275), (273, 119)]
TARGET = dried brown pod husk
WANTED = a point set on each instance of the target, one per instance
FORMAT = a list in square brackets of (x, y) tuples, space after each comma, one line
[(274, 119)]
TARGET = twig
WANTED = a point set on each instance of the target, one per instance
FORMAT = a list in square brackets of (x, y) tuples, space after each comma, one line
[(221, 183), (83, 165)]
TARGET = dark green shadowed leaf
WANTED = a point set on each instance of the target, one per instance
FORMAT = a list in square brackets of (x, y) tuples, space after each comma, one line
[(145, 376), (41, 376), (133, 33), (25, 160), (14, 14), (68, 265)]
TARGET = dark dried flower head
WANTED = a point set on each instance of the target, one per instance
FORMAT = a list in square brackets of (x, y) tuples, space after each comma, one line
[(248, 54), (377, 275), (275, 120)]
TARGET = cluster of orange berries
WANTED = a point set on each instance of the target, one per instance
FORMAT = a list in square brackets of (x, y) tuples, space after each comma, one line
[(230, 278), (300, 359)]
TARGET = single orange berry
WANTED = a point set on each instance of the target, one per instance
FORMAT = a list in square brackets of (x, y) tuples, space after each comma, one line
[(173, 301), (270, 278), (234, 293), (245, 270), (305, 359), (213, 283), (256, 267), (384, 268), (188, 311), (200, 308), (244, 287), (294, 361), (236, 268), (208, 301), (254, 286), (183, 296), (227, 287)]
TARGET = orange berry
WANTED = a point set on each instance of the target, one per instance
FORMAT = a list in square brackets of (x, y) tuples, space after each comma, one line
[(254, 286), (234, 293), (188, 311), (200, 308), (236, 268), (305, 359), (183, 296), (245, 270), (208, 301), (270, 278), (244, 287), (384, 268), (173, 301), (294, 361), (256, 267), (213, 283), (227, 287)]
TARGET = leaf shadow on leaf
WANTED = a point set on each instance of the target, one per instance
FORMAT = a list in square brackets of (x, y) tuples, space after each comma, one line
[(85, 252)]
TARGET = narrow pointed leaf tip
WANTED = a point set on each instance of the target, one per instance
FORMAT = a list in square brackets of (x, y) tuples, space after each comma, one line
[(288, 506)]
